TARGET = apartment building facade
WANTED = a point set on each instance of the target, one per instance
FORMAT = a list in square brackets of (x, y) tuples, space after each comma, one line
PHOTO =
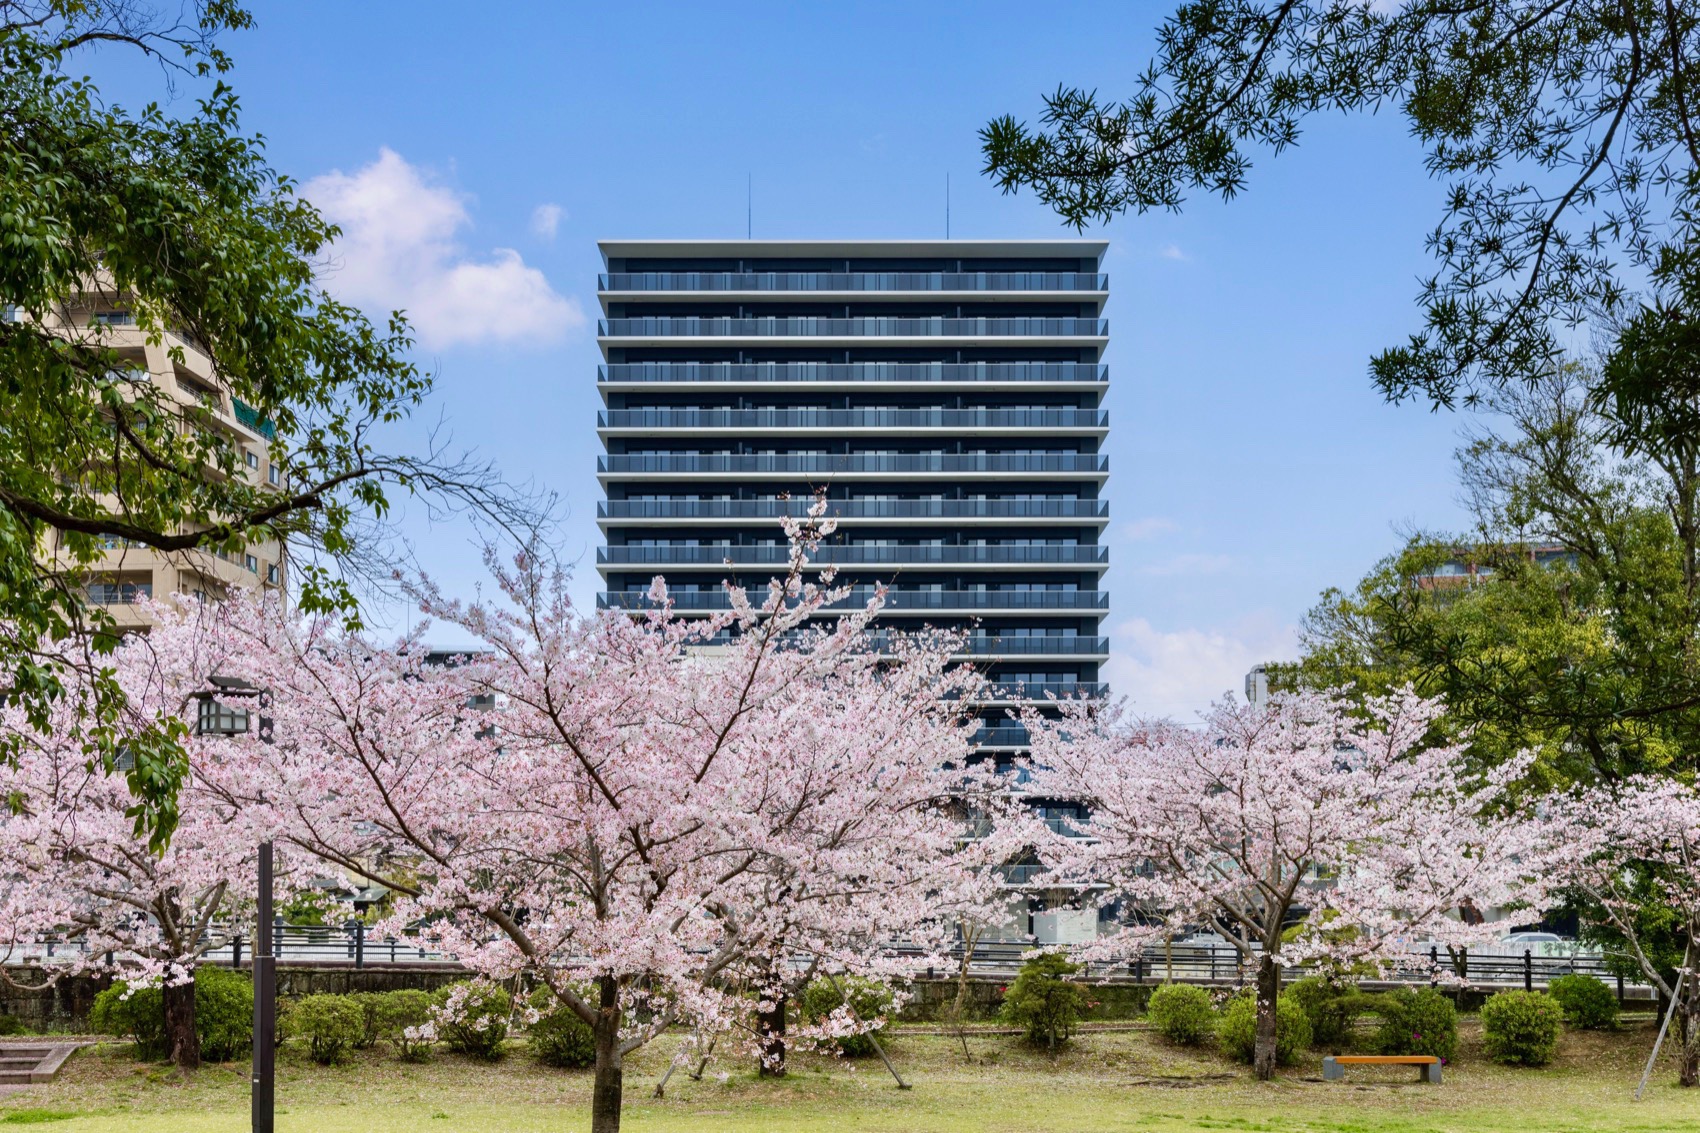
[(182, 374), (945, 395)]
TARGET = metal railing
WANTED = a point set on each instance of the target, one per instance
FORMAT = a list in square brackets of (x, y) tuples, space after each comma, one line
[(830, 554), (1063, 417), (827, 463), (745, 372), (852, 281), (854, 509), (696, 326), (694, 601)]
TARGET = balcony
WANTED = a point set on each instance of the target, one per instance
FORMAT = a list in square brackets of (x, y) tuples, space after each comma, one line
[(987, 648), (773, 509), (719, 554), (897, 601), (838, 420), (787, 281), (1001, 735), (1017, 691), (739, 373), (250, 418), (694, 326), (867, 464)]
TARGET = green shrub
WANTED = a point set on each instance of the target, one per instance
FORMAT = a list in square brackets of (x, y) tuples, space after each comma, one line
[(1587, 1002), (12, 1025), (370, 1032), (1182, 1013), (558, 1037), (1521, 1027), (404, 1019), (869, 999), (1043, 1001), (1332, 1008), (135, 1013), (471, 1017), (1416, 1022), (331, 1024), (224, 1015), (1237, 1031)]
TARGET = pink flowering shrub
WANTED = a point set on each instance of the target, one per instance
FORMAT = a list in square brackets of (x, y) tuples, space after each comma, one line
[(472, 1017)]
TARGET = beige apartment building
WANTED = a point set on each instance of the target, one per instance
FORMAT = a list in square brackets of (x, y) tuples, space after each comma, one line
[(125, 573)]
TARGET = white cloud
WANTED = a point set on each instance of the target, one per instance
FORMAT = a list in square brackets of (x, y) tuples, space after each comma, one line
[(546, 220), (1148, 528), (1172, 252), (399, 249), (1190, 563), (1179, 673)]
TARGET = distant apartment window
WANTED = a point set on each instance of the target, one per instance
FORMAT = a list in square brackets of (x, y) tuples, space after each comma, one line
[(273, 476), (253, 460), (119, 593), (8, 313), (113, 318), (271, 573), (251, 563), (128, 374)]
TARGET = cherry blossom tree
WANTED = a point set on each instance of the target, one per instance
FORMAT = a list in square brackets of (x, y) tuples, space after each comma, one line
[(654, 803), (1298, 831), (76, 870), (1626, 845)]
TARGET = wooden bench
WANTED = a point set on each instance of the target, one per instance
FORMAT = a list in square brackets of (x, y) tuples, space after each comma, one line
[(1334, 1066)]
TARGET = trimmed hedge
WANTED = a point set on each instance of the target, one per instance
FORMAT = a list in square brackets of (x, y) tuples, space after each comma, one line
[(472, 1017), (331, 1024), (1237, 1032), (559, 1037), (869, 999), (1521, 1028), (1182, 1013), (224, 1015), (1416, 1022), (1587, 1002)]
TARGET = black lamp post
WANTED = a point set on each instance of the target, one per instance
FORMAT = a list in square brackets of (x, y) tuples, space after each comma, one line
[(214, 718)]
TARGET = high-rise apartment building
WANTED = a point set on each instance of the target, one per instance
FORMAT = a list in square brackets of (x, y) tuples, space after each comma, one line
[(182, 373), (946, 395)]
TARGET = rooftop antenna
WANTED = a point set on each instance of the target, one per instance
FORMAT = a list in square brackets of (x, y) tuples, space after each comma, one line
[(749, 204), (947, 206)]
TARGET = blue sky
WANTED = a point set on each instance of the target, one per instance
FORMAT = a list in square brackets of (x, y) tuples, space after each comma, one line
[(1252, 463)]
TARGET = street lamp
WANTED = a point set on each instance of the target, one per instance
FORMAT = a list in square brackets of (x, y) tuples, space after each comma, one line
[(214, 717)]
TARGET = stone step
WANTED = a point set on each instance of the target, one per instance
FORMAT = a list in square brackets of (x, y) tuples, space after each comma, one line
[(22, 1064)]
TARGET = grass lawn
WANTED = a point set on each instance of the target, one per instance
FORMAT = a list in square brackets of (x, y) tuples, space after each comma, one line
[(1107, 1081)]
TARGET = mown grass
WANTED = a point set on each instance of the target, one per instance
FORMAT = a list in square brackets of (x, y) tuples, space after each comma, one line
[(1105, 1082)]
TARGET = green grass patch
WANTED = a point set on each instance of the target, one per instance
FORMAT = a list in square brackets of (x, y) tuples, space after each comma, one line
[(36, 1116)]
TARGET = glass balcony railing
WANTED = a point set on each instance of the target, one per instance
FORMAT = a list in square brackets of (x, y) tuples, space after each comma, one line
[(693, 326), (1001, 735), (901, 601), (853, 281), (854, 509), (804, 464), (1043, 690), (831, 555), (740, 372), (988, 647), (1063, 417)]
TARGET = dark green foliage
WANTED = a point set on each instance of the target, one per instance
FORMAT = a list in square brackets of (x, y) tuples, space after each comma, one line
[(1332, 1008), (1043, 1001), (869, 999), (137, 1014), (1521, 1028), (403, 1019), (371, 1029), (12, 1025), (224, 1015), (331, 1024), (1182, 1013), (559, 1037), (1588, 1004), (214, 252), (1416, 1022), (472, 1017), (1237, 1029), (1511, 101)]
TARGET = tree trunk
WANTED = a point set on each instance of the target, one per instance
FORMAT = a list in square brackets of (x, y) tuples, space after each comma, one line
[(771, 1023), (180, 1036), (610, 1069), (1268, 989)]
